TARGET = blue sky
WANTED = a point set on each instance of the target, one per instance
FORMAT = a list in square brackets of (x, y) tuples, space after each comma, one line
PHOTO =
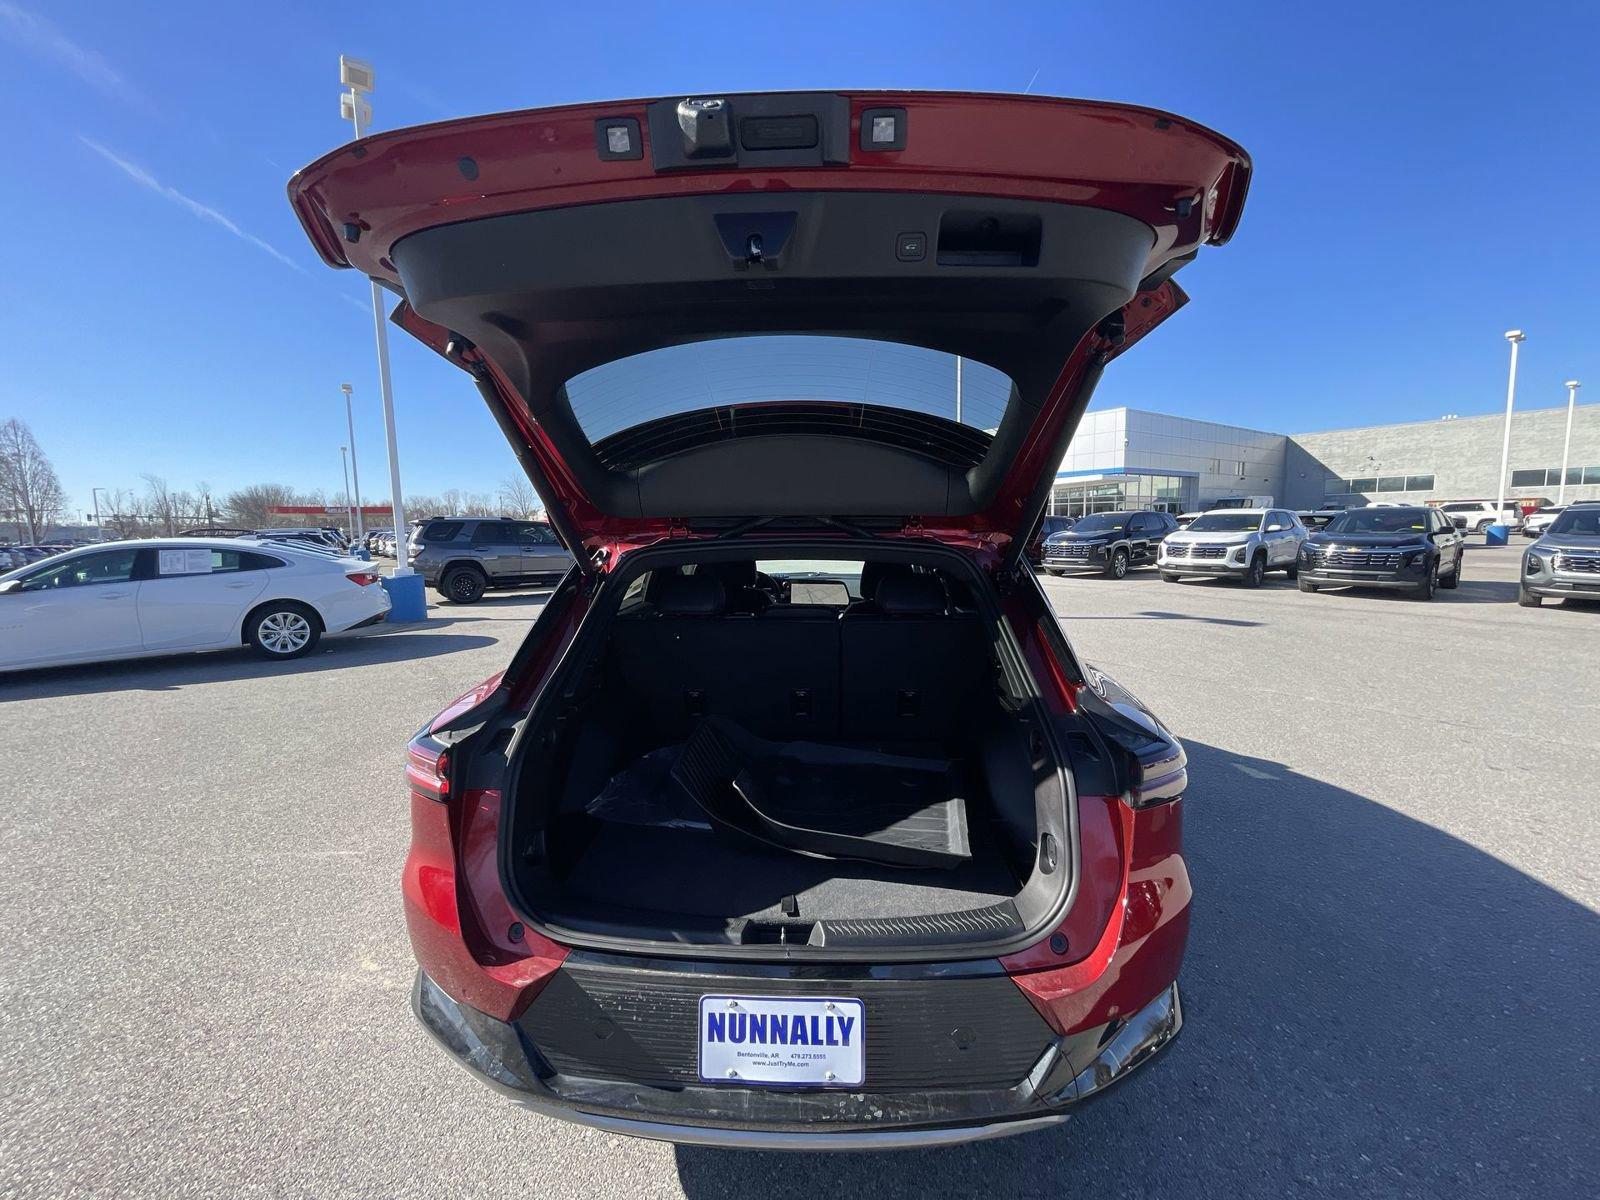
[(1425, 179)]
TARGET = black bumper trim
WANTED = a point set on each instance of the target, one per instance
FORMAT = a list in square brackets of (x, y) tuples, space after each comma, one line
[(499, 1054)]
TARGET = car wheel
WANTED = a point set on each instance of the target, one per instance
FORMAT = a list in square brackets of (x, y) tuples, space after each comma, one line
[(1117, 568), (1292, 571), (1168, 577), (463, 585), (1257, 572), (1454, 578), (283, 630), (1430, 583), (1482, 526), (1307, 586), (1527, 599)]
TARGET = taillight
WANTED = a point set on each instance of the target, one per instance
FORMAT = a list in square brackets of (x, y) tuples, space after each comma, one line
[(428, 768), (363, 578)]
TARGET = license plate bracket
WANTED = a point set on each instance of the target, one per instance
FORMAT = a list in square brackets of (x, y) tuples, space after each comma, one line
[(782, 1041)]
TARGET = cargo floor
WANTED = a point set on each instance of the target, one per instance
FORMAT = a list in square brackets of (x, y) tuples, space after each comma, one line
[(705, 874)]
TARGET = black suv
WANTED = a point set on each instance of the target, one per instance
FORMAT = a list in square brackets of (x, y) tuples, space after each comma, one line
[(1413, 549), (465, 556), (1108, 543)]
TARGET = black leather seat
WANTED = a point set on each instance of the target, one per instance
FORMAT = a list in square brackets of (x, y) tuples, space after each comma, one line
[(909, 668), (690, 658)]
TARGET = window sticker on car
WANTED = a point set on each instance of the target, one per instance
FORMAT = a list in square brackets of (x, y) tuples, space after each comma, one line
[(184, 562)]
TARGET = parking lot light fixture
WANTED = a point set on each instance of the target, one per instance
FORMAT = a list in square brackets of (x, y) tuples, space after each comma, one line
[(1572, 386), (1500, 531), (349, 510), (409, 600), (355, 471)]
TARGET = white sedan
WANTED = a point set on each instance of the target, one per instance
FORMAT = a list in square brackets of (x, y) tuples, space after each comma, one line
[(135, 599)]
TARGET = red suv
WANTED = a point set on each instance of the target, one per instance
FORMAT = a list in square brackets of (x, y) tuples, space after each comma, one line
[(795, 821)]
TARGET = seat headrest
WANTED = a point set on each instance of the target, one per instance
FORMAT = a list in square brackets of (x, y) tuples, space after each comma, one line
[(910, 595), (732, 574), (874, 573), (691, 596)]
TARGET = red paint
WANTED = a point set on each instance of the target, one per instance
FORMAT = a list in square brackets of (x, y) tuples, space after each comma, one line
[(1136, 161), (1126, 930)]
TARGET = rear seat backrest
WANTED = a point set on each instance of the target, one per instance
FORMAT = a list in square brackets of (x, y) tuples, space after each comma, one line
[(910, 668), (691, 659)]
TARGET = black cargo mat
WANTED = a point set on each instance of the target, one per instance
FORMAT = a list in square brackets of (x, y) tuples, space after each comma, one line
[(696, 872), (829, 801)]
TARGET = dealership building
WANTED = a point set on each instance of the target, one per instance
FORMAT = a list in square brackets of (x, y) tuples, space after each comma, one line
[(1129, 458)]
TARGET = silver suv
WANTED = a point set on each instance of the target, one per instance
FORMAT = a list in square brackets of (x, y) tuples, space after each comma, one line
[(1238, 543), (1565, 563), (463, 557)]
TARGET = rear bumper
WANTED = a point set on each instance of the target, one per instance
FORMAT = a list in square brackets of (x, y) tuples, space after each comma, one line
[(1071, 1070)]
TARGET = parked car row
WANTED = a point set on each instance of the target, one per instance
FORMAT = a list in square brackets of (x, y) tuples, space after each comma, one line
[(12, 557), (1411, 548)]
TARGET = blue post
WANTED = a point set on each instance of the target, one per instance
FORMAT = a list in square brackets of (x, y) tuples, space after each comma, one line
[(408, 600), (1497, 535)]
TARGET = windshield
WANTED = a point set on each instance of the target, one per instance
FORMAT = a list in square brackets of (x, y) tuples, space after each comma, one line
[(1583, 522), (776, 368), (1226, 522), (1100, 523), (1381, 520)]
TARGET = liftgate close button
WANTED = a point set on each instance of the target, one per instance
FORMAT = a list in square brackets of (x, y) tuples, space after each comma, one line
[(911, 247)]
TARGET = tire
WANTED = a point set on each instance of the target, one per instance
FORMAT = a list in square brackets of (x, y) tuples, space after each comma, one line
[(463, 585), (1053, 572), (1307, 586), (1292, 571), (1453, 580), (1168, 577), (1482, 526), (1257, 572), (1527, 599), (1117, 568), (283, 630), (1429, 587)]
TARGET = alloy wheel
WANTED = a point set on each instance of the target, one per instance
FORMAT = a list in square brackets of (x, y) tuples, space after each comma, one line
[(284, 632)]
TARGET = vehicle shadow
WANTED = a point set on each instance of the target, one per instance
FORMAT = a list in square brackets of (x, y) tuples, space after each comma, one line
[(1373, 1007), (184, 670), (1151, 615), (1469, 591)]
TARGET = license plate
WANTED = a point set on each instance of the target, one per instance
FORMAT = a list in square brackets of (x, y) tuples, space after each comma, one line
[(777, 1041)]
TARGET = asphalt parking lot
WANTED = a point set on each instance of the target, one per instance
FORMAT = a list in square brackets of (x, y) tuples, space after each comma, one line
[(1392, 985)]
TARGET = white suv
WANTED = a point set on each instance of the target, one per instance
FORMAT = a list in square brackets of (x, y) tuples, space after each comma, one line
[(1477, 515), (1238, 543)]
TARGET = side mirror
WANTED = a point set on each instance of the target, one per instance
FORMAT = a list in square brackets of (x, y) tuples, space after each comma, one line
[(1276, 528)]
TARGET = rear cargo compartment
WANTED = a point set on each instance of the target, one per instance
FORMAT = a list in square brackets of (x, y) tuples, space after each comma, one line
[(729, 764)]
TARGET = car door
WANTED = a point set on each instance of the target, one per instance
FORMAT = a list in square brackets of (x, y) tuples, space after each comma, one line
[(1450, 541), (78, 609), (1277, 536), (1142, 538), (497, 548), (542, 551), (197, 596)]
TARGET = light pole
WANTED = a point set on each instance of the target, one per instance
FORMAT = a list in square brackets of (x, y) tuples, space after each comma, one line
[(100, 533), (1566, 447), (350, 422), (1499, 532), (349, 512), (353, 106)]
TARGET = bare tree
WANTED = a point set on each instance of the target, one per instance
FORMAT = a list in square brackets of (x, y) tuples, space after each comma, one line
[(251, 507), (162, 504), (518, 499), (29, 487), (119, 514)]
